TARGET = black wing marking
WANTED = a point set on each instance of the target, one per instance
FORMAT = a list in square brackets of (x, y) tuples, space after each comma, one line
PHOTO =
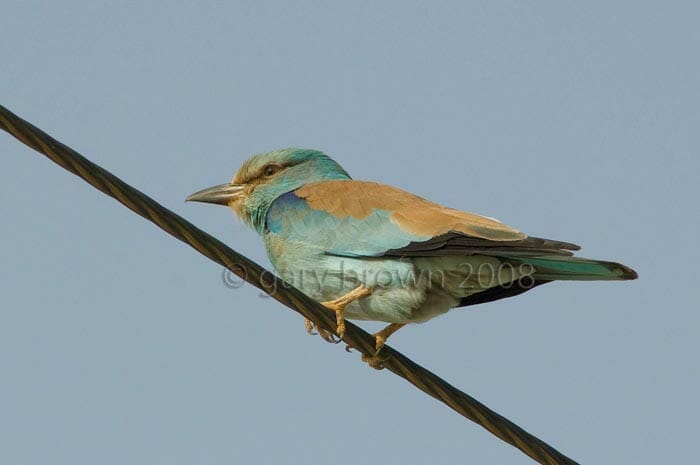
[(454, 243), (499, 292)]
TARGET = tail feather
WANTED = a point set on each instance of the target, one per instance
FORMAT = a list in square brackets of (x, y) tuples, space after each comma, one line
[(550, 268)]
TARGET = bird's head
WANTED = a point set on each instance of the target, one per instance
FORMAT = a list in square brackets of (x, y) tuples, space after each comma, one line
[(264, 177)]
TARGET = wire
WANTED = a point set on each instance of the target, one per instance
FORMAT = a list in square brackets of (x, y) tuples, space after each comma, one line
[(256, 275)]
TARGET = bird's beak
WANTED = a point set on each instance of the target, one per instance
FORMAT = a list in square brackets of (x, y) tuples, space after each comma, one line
[(222, 194)]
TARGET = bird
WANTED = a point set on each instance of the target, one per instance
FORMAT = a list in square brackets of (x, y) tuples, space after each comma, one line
[(370, 251)]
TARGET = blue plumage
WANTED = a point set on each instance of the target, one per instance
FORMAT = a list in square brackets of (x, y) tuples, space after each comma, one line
[(291, 218), (375, 252)]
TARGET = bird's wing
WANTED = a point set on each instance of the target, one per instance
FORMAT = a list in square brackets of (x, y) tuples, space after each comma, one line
[(459, 244), (413, 214), (359, 218)]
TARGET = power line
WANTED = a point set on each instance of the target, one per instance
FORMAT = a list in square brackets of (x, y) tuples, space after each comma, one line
[(256, 275)]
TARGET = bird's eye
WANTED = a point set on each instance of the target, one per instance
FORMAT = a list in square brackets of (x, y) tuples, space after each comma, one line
[(269, 170)]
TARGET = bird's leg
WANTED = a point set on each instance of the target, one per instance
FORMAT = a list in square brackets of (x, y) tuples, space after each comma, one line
[(380, 338), (338, 306)]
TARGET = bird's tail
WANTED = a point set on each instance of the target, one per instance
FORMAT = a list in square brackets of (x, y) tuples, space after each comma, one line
[(550, 268)]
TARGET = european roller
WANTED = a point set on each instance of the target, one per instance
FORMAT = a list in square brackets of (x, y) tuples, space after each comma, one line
[(368, 251)]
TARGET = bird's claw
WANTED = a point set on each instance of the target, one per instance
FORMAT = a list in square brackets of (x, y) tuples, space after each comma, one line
[(375, 361), (339, 310), (379, 341), (326, 335), (340, 329), (308, 324)]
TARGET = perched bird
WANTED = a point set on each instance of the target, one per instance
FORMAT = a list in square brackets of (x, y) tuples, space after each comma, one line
[(369, 251)]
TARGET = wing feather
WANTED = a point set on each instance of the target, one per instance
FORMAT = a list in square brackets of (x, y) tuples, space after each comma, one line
[(454, 243), (413, 214)]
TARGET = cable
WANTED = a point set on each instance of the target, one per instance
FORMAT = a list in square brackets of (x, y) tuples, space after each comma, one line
[(256, 275)]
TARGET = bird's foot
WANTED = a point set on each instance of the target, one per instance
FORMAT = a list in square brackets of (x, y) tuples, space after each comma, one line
[(376, 361), (339, 310), (338, 306), (326, 335)]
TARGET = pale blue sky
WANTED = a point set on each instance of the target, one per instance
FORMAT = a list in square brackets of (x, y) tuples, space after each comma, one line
[(120, 345)]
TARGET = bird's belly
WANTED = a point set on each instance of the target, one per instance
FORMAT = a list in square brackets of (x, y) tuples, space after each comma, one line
[(403, 290), (401, 293), (322, 277)]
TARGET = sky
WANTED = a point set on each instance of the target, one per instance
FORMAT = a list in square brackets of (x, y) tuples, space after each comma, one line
[(572, 121)]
